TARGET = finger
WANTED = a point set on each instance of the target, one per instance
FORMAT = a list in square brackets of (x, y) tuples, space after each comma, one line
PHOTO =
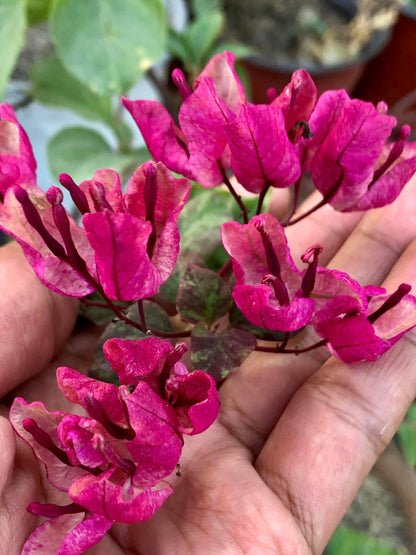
[(255, 396), (35, 322), (336, 425)]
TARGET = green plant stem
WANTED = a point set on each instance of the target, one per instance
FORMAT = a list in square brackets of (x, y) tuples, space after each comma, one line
[(262, 196), (278, 349), (236, 196)]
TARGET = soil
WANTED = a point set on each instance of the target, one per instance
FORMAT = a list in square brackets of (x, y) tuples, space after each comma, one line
[(306, 32)]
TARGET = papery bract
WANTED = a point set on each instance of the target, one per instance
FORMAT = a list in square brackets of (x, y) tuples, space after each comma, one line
[(200, 144), (155, 362), (350, 161), (297, 100), (17, 163), (273, 303), (352, 334), (142, 227), (261, 153), (68, 534)]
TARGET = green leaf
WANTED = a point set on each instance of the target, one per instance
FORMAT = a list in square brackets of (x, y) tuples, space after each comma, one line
[(202, 34), (238, 320), (203, 296), (177, 46), (118, 329), (169, 289), (12, 36), (80, 152), (156, 317), (53, 85), (238, 49), (200, 7), (108, 44), (219, 354), (201, 220), (347, 541), (37, 10), (407, 435)]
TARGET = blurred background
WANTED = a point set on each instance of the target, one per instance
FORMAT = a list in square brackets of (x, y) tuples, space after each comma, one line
[(66, 64)]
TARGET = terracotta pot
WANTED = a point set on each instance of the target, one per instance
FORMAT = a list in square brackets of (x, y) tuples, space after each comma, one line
[(263, 74), (391, 76)]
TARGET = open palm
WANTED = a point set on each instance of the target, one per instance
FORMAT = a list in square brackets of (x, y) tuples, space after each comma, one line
[(296, 435)]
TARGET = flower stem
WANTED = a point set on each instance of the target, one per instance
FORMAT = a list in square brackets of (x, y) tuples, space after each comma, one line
[(278, 349), (262, 197), (236, 196)]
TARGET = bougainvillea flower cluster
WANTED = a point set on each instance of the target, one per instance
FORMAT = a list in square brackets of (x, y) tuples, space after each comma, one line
[(113, 456), (113, 461)]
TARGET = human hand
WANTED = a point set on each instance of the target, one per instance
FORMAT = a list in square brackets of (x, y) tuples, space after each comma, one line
[(296, 435)]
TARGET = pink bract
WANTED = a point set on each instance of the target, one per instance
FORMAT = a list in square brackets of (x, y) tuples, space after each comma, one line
[(17, 163)]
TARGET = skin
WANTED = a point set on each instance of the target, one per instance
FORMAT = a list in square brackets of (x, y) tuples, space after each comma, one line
[(296, 435)]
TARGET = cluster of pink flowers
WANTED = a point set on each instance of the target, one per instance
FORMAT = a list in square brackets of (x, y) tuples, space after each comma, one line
[(113, 461)]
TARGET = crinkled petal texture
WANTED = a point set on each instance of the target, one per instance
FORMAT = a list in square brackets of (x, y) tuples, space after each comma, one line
[(354, 137), (353, 338), (53, 272), (195, 399), (202, 118), (117, 499), (120, 248), (110, 182), (169, 196), (165, 141), (298, 99), (136, 249), (225, 79), (158, 444), (258, 301), (134, 360), (77, 388), (69, 534), (17, 163), (261, 153), (59, 473)]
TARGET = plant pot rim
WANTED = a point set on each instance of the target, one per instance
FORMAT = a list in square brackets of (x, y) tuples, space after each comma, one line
[(408, 10), (371, 49)]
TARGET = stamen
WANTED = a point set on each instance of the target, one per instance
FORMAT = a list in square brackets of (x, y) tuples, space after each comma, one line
[(60, 216), (44, 439), (310, 257), (395, 152), (150, 197), (97, 193), (77, 195), (180, 81), (279, 288), (34, 219), (391, 302), (271, 95), (52, 511), (95, 410)]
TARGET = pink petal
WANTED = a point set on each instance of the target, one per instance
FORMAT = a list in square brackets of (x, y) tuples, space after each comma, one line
[(119, 242), (59, 474), (298, 98), (171, 196), (261, 152), (195, 400), (56, 274), (110, 180), (163, 138), (134, 359), (69, 534), (121, 502), (157, 445), (226, 82), (202, 117)]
